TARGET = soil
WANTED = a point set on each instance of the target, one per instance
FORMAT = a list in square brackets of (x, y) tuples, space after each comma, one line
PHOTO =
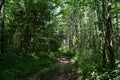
[(66, 71)]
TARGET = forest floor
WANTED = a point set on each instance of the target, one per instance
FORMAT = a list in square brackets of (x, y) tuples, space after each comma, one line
[(65, 70)]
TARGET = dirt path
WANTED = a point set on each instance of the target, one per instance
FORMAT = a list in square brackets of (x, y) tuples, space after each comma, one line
[(65, 63), (65, 71)]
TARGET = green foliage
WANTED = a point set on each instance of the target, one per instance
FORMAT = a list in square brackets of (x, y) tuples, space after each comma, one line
[(65, 52), (19, 66), (86, 63)]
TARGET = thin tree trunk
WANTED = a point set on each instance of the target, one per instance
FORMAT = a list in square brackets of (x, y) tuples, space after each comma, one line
[(117, 40), (104, 50), (2, 27)]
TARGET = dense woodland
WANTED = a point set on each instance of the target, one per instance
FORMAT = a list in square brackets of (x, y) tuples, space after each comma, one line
[(35, 34)]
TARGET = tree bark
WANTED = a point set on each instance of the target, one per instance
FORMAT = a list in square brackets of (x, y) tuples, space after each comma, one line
[(2, 27), (101, 22), (109, 38)]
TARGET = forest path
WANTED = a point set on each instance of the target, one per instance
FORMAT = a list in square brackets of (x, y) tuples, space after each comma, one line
[(65, 70)]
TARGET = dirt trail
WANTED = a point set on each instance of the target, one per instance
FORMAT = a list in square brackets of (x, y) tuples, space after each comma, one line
[(66, 71), (63, 61)]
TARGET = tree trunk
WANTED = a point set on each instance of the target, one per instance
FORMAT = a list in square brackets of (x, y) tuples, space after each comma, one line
[(109, 38), (2, 27), (101, 31)]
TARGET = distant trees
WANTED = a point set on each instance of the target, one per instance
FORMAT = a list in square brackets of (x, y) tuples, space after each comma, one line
[(91, 27)]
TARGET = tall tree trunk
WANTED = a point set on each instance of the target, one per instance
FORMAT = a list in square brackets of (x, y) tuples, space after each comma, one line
[(109, 38), (104, 48), (101, 31), (117, 36), (2, 27)]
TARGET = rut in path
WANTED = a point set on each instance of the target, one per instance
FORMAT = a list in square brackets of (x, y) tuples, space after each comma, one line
[(66, 71)]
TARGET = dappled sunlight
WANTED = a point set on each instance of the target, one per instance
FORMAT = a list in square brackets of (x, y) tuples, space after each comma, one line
[(59, 40)]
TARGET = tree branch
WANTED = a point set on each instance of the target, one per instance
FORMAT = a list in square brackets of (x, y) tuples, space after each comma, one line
[(2, 4)]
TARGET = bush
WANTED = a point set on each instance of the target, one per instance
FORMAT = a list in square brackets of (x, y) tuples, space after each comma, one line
[(17, 65), (86, 63)]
